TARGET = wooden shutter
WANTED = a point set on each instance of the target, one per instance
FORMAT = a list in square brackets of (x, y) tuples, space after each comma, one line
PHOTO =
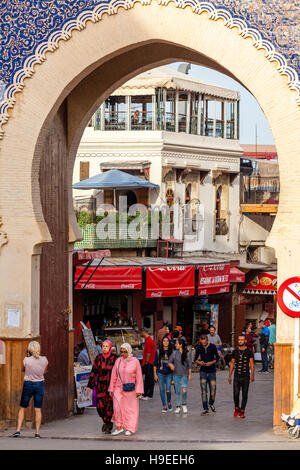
[(108, 196), (84, 170)]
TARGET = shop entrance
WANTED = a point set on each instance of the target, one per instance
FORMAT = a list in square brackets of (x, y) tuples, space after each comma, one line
[(45, 128)]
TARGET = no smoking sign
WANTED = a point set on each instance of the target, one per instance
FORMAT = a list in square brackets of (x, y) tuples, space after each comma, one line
[(288, 297)]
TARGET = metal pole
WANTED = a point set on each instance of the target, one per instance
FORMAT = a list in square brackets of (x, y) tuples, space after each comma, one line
[(296, 359)]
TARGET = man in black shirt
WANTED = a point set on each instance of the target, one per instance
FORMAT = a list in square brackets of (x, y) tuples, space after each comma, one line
[(208, 358), (242, 359)]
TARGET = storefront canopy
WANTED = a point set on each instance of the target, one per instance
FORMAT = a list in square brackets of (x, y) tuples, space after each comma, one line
[(263, 283), (236, 275), (214, 279), (165, 277), (108, 278), (114, 179), (170, 281)]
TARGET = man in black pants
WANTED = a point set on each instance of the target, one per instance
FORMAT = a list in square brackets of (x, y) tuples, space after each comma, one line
[(242, 359)]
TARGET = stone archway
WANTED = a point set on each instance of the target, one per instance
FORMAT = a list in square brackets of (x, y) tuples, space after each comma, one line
[(58, 101)]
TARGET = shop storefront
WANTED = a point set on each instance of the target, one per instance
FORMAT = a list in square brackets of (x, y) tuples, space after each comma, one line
[(119, 295), (258, 300)]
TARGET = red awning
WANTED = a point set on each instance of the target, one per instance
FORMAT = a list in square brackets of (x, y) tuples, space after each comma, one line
[(236, 275), (170, 281), (263, 283), (213, 279), (109, 278)]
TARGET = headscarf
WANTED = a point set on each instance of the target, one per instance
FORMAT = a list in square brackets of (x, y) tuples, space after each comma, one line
[(106, 355), (128, 349)]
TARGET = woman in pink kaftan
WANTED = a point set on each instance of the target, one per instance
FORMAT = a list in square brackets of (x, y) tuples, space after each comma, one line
[(126, 370)]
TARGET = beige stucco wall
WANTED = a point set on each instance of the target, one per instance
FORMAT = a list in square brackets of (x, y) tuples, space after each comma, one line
[(201, 40)]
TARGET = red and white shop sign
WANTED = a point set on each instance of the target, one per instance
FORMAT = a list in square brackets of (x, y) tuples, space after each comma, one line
[(170, 281), (214, 279), (288, 297), (109, 278)]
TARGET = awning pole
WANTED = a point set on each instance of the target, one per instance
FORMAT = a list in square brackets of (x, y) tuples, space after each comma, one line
[(93, 273)]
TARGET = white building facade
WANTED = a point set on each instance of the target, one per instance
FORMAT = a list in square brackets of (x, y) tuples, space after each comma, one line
[(182, 135)]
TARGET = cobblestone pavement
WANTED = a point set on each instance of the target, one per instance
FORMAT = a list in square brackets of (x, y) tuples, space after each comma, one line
[(219, 430)]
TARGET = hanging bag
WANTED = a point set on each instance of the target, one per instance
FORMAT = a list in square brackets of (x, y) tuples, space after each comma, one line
[(128, 387)]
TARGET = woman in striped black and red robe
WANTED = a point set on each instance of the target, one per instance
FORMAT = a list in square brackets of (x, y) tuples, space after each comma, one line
[(100, 378)]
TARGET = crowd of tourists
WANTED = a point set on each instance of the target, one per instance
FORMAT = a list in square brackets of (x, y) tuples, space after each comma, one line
[(119, 383)]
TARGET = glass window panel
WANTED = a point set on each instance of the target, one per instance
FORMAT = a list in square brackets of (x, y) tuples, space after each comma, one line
[(115, 113), (182, 111), (141, 112), (194, 113), (219, 119), (170, 110), (209, 118)]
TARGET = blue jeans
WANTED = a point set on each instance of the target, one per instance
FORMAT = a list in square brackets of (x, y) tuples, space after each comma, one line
[(264, 358), (208, 378), (165, 381), (181, 383)]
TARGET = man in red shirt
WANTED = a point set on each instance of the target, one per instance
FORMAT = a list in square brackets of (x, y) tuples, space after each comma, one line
[(148, 361)]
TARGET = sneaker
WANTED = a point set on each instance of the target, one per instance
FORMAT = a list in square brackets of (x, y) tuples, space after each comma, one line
[(16, 434), (242, 414), (184, 408), (116, 432), (266, 372), (37, 436), (128, 433), (170, 408), (144, 398), (204, 413), (177, 409), (212, 407), (164, 410), (236, 411), (261, 370)]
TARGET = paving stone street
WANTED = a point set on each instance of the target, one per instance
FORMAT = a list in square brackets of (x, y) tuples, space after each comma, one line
[(169, 431)]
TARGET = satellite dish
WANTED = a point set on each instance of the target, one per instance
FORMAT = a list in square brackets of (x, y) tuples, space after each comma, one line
[(184, 68)]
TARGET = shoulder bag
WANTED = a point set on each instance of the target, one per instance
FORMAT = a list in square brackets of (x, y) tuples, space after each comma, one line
[(128, 387)]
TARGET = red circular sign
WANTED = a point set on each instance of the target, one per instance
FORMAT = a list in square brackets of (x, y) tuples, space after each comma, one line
[(288, 297)]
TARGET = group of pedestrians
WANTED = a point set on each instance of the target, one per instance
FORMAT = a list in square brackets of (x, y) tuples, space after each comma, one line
[(119, 381), (267, 338)]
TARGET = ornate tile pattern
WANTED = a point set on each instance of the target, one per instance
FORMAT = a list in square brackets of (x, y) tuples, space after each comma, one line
[(29, 28)]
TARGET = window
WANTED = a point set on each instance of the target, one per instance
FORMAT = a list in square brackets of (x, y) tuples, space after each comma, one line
[(230, 120), (209, 118), (219, 118), (115, 113), (141, 112), (194, 113), (182, 111), (170, 110)]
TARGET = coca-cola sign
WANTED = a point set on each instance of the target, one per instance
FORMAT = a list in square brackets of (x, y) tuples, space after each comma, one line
[(170, 281), (214, 278)]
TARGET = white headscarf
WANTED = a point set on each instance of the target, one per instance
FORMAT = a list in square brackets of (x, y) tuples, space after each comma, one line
[(128, 349)]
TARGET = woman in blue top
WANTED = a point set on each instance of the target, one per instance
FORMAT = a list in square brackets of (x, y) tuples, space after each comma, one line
[(163, 374)]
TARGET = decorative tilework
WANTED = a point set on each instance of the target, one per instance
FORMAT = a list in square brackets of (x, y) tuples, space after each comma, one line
[(29, 28)]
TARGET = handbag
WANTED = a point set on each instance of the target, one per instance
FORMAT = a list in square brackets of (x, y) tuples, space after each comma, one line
[(128, 387)]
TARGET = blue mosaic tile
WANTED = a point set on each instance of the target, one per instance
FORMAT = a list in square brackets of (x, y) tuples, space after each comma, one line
[(28, 28)]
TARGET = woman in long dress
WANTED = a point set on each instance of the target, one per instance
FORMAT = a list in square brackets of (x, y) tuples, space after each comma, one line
[(100, 378), (126, 370)]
